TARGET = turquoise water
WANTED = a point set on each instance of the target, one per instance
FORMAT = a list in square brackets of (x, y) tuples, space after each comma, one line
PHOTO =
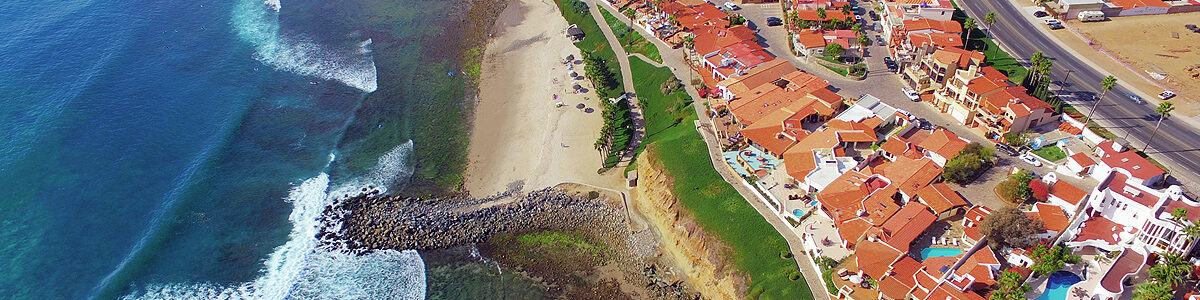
[(1058, 284), (939, 252), (183, 149)]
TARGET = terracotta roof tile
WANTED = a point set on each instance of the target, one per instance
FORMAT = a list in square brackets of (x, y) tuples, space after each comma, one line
[(907, 224), (875, 258), (1067, 192), (940, 197)]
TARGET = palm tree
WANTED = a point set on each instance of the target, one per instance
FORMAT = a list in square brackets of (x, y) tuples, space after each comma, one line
[(1105, 85), (967, 26), (846, 9), (1171, 269), (1164, 111), (990, 19), (1179, 215), (821, 13), (1153, 291)]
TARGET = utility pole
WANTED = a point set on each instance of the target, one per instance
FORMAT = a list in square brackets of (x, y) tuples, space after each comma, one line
[(1062, 85)]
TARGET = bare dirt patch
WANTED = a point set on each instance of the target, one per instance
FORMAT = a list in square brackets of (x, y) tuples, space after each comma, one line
[(1155, 43)]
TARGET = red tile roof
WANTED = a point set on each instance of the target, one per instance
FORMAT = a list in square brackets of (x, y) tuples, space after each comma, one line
[(907, 224), (1067, 192), (939, 40), (851, 231), (944, 143), (910, 175), (901, 279), (1053, 216), (1099, 228), (1117, 184), (767, 133), (940, 197), (711, 39), (1082, 158), (935, 25), (897, 146), (1130, 161), (875, 258), (810, 38)]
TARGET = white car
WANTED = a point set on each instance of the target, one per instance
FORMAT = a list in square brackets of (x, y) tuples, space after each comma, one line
[(912, 95), (1051, 21), (1166, 95), (732, 6), (1028, 158)]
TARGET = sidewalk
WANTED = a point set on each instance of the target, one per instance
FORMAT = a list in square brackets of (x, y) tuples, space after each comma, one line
[(674, 59)]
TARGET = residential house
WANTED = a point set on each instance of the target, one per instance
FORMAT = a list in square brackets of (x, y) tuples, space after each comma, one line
[(1115, 156), (942, 145), (1063, 194), (1123, 215), (932, 69), (809, 42), (736, 59), (1052, 216), (972, 220), (944, 202)]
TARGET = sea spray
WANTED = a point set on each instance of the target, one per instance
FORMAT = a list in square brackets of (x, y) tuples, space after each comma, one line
[(257, 23), (303, 268)]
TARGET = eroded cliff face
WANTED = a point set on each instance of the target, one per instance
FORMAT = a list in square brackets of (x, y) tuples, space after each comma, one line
[(696, 253)]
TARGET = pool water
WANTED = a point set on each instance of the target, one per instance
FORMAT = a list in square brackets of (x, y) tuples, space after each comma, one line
[(1058, 284), (939, 252), (798, 213)]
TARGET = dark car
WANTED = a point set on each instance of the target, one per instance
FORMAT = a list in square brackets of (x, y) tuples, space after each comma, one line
[(1006, 149), (1056, 26), (773, 21), (1040, 14), (874, 16), (1192, 27)]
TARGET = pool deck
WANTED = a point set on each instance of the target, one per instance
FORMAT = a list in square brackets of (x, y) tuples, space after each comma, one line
[(1090, 280)]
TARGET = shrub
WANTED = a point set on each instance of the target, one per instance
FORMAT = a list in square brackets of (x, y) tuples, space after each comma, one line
[(834, 50), (1016, 189), (1010, 227), (1039, 189)]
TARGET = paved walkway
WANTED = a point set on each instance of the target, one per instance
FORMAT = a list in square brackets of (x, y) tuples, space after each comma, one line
[(674, 59), (627, 82)]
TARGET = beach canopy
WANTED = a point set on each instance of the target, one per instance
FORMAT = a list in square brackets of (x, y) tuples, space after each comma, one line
[(577, 86), (580, 106)]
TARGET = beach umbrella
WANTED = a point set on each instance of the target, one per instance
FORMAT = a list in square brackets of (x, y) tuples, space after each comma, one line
[(855, 279), (578, 87), (580, 106), (573, 74), (588, 110)]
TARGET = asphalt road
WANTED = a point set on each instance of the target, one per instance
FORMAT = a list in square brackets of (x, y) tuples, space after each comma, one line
[(1177, 144)]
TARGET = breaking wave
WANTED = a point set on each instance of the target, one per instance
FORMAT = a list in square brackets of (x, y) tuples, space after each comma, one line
[(257, 22), (304, 269)]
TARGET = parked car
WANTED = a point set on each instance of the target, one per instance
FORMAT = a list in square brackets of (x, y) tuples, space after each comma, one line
[(1166, 95), (912, 95), (1056, 26), (1192, 27), (732, 6), (1041, 14), (1136, 99), (1028, 158), (892, 67), (773, 21), (1007, 149), (873, 15), (858, 18), (879, 40)]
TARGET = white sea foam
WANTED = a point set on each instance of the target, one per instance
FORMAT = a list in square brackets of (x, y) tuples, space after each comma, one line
[(303, 269), (257, 23)]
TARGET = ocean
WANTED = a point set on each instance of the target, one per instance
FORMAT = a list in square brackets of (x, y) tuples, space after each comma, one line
[(166, 149)]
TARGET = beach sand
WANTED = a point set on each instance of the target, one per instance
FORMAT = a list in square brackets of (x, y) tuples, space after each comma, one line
[(520, 138)]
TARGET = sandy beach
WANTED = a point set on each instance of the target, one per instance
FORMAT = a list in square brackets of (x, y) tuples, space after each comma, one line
[(520, 138)]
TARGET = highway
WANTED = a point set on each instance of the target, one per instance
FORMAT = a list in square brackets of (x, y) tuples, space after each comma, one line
[(1177, 144)]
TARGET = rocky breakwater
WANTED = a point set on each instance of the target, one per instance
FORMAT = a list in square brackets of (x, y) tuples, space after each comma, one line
[(695, 252), (375, 221)]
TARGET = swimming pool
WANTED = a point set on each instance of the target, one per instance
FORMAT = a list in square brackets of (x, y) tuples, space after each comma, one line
[(939, 252), (1058, 284)]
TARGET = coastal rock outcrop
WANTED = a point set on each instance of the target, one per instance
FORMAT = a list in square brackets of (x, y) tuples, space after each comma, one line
[(698, 254), (374, 221)]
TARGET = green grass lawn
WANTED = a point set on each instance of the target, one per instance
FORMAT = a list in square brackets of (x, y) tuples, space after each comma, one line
[(719, 209), (995, 57), (594, 41), (1051, 153), (840, 71), (631, 40)]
